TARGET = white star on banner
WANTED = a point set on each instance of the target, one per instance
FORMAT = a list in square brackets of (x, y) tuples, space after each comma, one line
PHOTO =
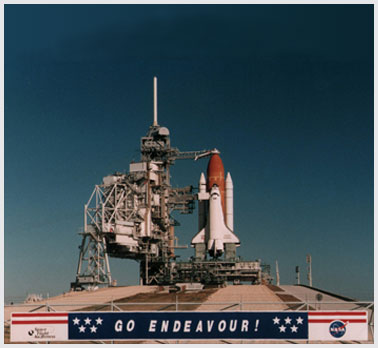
[(76, 321), (276, 320), (287, 321), (299, 320), (93, 328), (99, 321), (87, 321), (82, 328), (294, 328), (282, 328)]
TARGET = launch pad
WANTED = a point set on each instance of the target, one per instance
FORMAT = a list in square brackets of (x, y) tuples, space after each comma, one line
[(129, 216)]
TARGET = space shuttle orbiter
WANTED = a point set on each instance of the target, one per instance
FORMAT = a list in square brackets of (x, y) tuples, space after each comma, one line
[(215, 222)]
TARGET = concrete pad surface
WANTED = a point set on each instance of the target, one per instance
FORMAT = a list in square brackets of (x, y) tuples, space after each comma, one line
[(233, 298)]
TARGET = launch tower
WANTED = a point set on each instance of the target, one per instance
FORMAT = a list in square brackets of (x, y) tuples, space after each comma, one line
[(129, 215)]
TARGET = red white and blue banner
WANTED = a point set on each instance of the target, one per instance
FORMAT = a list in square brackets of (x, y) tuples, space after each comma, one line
[(94, 326)]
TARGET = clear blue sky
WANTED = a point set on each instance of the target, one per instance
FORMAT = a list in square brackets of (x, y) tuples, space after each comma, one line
[(284, 92)]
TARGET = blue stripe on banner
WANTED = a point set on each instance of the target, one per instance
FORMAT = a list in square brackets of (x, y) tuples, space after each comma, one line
[(187, 325)]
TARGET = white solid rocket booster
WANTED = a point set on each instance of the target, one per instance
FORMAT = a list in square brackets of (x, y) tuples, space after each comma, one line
[(202, 203), (229, 197)]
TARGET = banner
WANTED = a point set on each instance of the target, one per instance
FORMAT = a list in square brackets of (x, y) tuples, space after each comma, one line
[(94, 326)]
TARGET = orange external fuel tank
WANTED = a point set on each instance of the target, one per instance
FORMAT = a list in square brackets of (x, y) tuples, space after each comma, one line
[(215, 175)]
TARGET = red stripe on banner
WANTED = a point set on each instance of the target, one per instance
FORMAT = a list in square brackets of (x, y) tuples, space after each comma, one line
[(23, 322), (324, 321), (39, 314), (336, 313)]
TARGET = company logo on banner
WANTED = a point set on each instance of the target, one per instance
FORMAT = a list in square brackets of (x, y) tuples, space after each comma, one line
[(28, 327), (337, 328), (336, 325)]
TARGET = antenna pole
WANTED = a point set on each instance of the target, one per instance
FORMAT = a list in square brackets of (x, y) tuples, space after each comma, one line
[(298, 277), (277, 274), (155, 101), (309, 275)]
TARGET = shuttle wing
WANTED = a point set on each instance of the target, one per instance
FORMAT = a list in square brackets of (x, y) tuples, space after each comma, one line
[(227, 235), (199, 237)]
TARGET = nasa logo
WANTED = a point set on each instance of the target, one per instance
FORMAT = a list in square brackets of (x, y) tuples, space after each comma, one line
[(337, 328)]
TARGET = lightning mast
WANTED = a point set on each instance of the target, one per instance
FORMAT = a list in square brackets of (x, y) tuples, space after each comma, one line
[(155, 102)]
